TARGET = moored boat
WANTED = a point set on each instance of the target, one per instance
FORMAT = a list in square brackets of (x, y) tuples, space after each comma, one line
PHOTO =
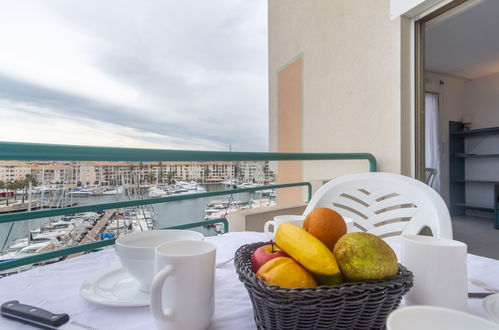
[(81, 192)]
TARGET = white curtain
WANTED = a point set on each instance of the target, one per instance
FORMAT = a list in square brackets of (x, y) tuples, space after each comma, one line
[(432, 143)]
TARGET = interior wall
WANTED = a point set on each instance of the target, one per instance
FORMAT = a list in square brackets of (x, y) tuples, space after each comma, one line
[(482, 102), (451, 100), (352, 80), (480, 98)]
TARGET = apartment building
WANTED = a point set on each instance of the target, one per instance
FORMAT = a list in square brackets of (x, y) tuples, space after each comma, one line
[(14, 170), (258, 172), (116, 173), (53, 172), (104, 173), (202, 171)]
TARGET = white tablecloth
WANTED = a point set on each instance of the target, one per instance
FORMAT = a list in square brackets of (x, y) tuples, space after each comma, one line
[(56, 288)]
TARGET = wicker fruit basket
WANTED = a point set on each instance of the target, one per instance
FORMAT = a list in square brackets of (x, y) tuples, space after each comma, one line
[(360, 305)]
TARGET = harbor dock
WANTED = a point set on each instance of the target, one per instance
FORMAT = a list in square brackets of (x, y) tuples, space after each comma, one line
[(95, 231)]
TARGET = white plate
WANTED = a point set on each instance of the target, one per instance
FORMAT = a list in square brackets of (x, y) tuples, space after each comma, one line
[(491, 306), (114, 287), (435, 318)]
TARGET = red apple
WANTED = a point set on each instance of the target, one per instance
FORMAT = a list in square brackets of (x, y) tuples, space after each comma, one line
[(264, 254)]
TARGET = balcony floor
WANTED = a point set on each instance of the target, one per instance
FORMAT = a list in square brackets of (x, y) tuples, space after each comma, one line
[(479, 234)]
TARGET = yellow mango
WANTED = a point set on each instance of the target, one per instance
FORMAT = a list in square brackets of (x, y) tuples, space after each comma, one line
[(285, 272), (306, 249)]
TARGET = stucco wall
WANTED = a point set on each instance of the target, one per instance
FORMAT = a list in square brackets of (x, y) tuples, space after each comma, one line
[(290, 126), (352, 80)]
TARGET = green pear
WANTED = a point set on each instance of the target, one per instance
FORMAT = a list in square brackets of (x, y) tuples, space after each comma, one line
[(364, 256), (328, 279)]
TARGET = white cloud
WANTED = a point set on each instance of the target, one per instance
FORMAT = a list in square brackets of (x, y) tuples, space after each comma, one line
[(49, 127), (38, 47), (192, 71)]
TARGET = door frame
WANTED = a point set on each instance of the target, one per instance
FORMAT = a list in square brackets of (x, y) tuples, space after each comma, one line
[(419, 76)]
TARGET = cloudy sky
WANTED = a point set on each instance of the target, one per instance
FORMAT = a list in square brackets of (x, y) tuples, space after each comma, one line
[(181, 74)]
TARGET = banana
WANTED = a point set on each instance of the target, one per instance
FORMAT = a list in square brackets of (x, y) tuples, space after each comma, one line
[(307, 250)]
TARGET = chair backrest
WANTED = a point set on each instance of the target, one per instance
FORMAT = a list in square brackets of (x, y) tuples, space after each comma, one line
[(385, 204)]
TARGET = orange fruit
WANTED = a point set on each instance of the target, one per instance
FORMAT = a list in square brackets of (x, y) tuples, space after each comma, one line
[(325, 224)]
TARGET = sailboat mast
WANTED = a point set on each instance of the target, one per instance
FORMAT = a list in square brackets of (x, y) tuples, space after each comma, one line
[(43, 183), (230, 169), (29, 210), (29, 197)]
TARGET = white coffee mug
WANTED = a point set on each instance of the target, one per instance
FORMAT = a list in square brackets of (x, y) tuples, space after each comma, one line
[(439, 268), (136, 251), (182, 292), (296, 219)]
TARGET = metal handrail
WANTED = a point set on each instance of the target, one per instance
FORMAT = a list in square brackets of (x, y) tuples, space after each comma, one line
[(21, 216), (39, 151), (92, 246), (53, 152)]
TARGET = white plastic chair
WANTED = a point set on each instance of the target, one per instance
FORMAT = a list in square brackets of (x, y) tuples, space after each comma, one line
[(385, 204)]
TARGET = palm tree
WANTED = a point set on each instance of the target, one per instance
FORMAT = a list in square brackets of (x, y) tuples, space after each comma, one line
[(150, 177), (29, 178), (18, 185), (141, 167), (169, 176), (2, 186), (160, 172), (206, 173), (10, 185), (132, 168), (22, 185), (25, 183)]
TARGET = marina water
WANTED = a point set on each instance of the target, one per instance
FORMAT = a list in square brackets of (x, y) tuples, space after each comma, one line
[(167, 214)]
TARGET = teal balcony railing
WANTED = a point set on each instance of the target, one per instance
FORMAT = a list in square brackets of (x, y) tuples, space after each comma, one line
[(34, 151)]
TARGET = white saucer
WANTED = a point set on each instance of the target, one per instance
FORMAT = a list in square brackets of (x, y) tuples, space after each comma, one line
[(114, 287), (491, 306)]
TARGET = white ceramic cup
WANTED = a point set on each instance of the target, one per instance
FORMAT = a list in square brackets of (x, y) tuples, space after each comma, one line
[(296, 219), (435, 318), (136, 251), (182, 293), (439, 268)]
